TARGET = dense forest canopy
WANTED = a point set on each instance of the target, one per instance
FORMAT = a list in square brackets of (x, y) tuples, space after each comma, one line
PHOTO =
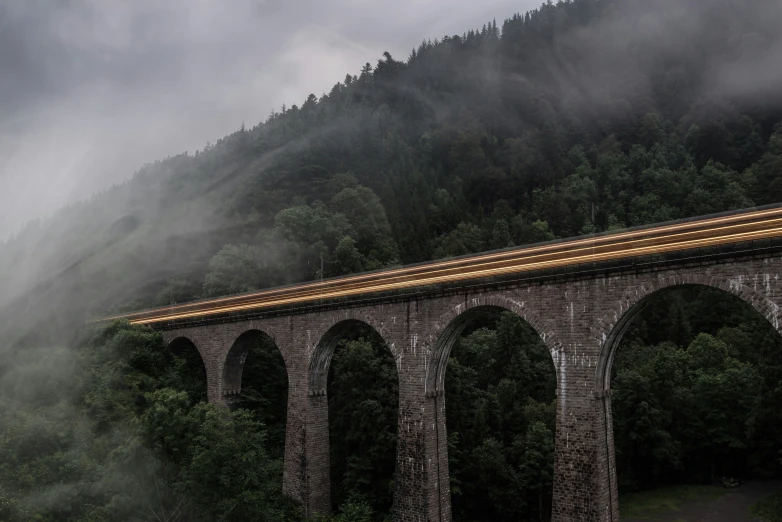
[(577, 117)]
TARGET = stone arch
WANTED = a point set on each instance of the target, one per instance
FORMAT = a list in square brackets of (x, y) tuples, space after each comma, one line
[(233, 364), (183, 346), (451, 324), (611, 327), (327, 339), (607, 334), (179, 343), (318, 445)]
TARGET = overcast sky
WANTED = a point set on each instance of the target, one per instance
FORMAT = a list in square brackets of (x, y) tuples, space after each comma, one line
[(90, 90)]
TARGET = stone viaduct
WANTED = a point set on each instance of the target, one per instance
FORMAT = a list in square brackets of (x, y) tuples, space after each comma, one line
[(580, 310)]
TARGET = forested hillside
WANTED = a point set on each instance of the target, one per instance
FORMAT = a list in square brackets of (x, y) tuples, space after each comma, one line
[(577, 117)]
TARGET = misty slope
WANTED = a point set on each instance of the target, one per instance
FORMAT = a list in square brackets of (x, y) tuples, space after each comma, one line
[(581, 116), (512, 133)]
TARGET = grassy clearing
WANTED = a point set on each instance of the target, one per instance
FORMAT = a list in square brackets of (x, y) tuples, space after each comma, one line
[(769, 508), (645, 504)]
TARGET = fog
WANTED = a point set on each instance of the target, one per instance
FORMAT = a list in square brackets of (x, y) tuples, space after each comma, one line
[(93, 89)]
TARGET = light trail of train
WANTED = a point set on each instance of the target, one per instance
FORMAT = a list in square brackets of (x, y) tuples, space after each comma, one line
[(707, 232)]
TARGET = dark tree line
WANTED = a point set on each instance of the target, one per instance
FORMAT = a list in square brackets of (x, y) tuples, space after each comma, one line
[(697, 384), (499, 392)]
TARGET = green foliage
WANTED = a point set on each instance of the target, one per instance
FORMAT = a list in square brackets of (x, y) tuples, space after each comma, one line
[(265, 392), (229, 475), (700, 411), (233, 270), (499, 386), (464, 239), (64, 458), (411, 160), (118, 434), (350, 511), (768, 509), (349, 234), (171, 423), (363, 404), (474, 143), (177, 290), (662, 501), (536, 471)]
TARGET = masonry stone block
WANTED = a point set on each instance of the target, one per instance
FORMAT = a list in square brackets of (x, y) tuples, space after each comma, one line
[(581, 318)]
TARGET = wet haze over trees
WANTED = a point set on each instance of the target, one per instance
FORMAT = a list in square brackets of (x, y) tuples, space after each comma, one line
[(579, 117)]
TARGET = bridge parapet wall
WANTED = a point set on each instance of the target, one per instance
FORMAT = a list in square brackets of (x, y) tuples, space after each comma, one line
[(581, 320)]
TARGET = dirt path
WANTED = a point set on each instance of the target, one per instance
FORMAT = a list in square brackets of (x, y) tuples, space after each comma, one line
[(731, 507)]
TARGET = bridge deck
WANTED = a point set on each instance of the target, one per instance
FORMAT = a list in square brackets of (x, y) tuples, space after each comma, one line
[(709, 231)]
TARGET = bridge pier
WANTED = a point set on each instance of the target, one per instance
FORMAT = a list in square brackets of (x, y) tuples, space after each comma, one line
[(580, 318), (316, 458), (211, 350), (438, 502), (412, 483), (606, 487)]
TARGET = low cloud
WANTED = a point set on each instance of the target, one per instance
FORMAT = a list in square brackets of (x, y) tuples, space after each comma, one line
[(96, 89)]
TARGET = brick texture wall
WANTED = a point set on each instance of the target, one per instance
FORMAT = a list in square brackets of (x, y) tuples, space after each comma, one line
[(581, 320)]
